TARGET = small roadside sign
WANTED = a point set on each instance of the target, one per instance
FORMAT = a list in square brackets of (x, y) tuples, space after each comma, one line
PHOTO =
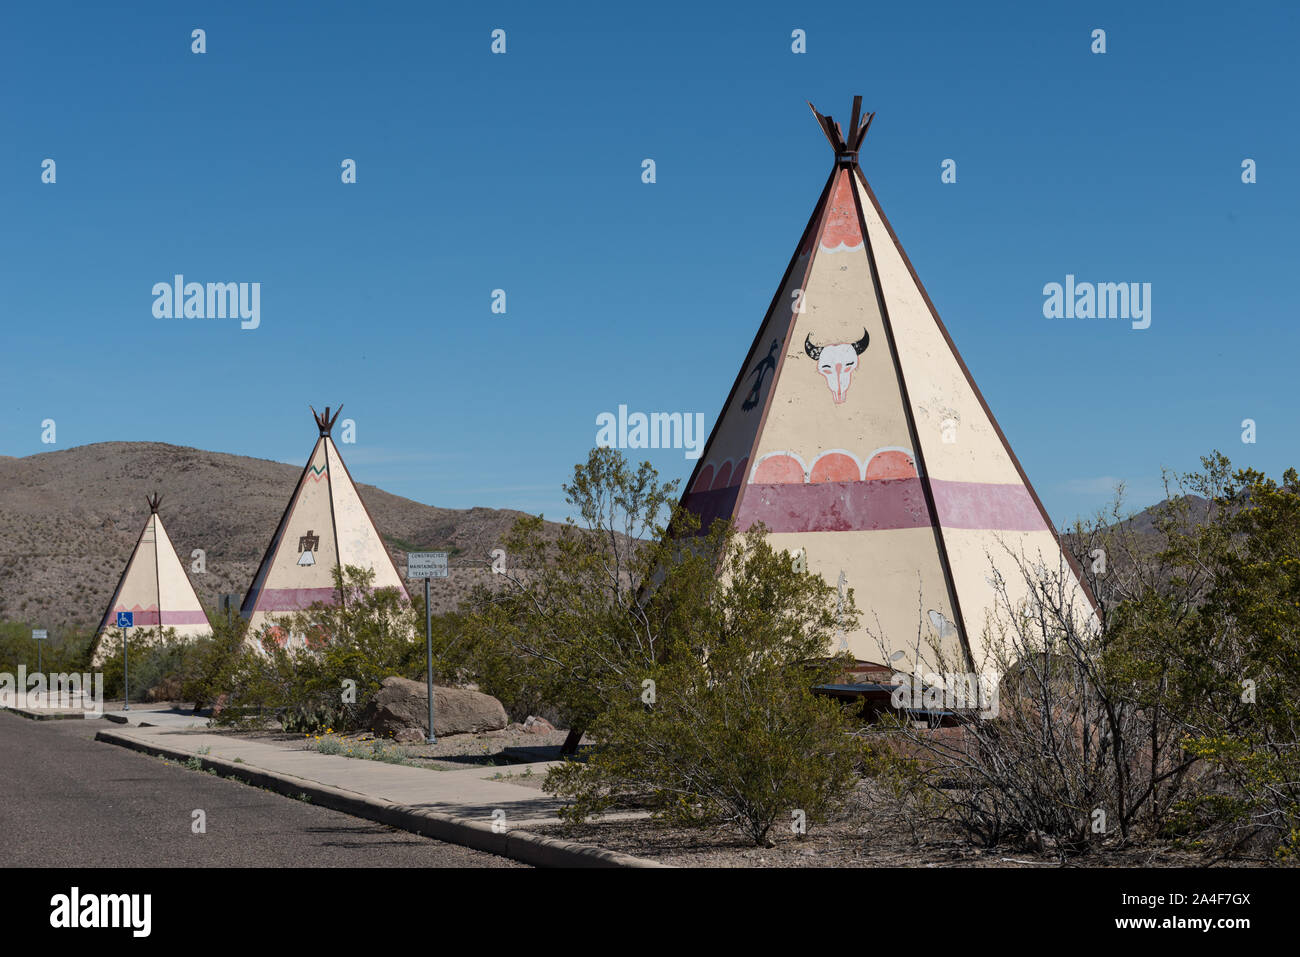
[(39, 635), (426, 565), (126, 619)]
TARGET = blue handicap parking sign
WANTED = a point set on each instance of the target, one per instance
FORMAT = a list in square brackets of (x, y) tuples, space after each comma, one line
[(125, 619)]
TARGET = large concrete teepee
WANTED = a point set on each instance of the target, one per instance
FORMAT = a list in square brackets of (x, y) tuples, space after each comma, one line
[(855, 432), (324, 526), (154, 586)]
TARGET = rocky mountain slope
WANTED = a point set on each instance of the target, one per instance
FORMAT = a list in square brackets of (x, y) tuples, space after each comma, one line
[(69, 519)]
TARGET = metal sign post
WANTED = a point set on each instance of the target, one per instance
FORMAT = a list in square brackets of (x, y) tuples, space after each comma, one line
[(230, 605), (428, 565), (125, 620), (39, 635)]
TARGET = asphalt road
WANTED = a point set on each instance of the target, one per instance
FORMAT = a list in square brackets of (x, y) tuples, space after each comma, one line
[(69, 801)]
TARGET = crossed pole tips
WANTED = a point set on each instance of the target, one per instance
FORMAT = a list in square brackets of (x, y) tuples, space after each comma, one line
[(325, 422), (154, 501), (846, 150)]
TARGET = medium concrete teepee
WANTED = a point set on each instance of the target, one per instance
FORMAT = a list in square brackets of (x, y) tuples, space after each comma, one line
[(325, 526), (154, 586), (855, 432)]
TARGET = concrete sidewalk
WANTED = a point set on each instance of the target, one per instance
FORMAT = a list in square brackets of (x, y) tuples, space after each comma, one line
[(464, 807), (166, 715)]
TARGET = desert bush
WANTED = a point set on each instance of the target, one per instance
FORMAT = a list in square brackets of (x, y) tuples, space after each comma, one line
[(689, 657), (1052, 763), (1177, 719), (205, 672), (1246, 722), (319, 667), (156, 657)]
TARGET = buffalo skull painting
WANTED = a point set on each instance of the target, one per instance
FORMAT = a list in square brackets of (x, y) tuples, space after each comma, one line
[(837, 362)]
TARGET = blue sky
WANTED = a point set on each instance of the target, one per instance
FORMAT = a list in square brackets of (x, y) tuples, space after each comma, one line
[(523, 172)]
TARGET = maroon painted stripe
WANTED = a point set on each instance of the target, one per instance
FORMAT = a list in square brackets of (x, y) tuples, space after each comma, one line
[(835, 506), (711, 504), (880, 504)]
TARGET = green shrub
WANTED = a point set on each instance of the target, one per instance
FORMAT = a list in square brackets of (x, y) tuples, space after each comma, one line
[(350, 646), (690, 658)]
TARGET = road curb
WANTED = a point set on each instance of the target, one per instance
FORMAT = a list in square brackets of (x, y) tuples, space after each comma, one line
[(523, 846), (46, 715)]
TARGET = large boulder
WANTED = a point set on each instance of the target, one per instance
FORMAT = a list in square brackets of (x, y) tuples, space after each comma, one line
[(400, 708)]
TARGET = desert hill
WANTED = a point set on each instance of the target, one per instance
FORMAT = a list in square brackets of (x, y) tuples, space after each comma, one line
[(69, 519)]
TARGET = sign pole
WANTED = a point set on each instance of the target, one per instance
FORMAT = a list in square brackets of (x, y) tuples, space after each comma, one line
[(428, 637), (126, 676), (39, 635), (125, 621), (427, 565)]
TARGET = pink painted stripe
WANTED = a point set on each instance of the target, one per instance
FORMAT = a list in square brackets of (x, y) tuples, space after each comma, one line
[(292, 599), (141, 616), (880, 504), (1003, 508), (145, 617), (184, 618)]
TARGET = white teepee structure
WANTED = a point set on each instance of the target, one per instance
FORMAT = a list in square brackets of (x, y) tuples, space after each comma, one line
[(855, 432), (154, 586), (324, 526)]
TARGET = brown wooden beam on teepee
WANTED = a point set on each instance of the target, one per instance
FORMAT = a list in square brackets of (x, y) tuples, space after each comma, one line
[(862, 131), (325, 422), (830, 128), (846, 148), (154, 501)]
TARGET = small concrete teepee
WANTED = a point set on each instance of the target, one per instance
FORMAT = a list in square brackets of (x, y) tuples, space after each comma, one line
[(154, 586), (324, 526)]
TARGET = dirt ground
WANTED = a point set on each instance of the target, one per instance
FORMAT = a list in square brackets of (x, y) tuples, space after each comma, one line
[(841, 844), (865, 834), (868, 831)]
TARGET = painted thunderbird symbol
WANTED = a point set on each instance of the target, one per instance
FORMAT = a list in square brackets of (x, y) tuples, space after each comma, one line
[(308, 544), (759, 373)]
